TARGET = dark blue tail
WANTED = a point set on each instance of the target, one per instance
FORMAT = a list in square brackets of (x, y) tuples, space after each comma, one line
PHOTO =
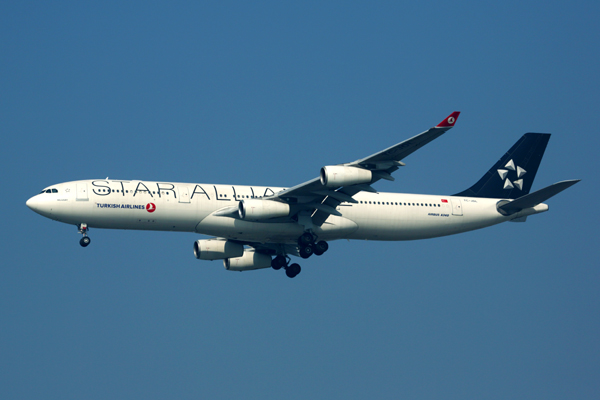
[(512, 176)]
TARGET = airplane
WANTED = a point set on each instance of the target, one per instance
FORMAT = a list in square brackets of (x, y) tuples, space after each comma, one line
[(254, 227)]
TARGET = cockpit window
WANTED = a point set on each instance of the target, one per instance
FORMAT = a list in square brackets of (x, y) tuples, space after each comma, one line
[(49, 191)]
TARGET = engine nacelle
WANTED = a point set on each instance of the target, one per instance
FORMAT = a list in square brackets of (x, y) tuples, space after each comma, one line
[(340, 175), (256, 209), (248, 261), (217, 249)]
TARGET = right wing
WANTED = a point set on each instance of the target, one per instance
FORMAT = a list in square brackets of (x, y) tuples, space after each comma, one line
[(319, 200)]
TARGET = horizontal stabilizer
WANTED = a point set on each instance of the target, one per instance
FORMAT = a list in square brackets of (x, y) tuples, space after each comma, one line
[(535, 198)]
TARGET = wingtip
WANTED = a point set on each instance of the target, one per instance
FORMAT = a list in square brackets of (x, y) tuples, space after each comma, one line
[(449, 121)]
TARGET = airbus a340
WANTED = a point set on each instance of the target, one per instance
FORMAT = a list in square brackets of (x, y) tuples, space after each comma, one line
[(257, 227)]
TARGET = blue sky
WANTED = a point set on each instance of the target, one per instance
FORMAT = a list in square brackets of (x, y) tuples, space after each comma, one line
[(266, 94)]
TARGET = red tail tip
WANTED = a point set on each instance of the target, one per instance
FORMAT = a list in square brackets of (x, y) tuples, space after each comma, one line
[(450, 120)]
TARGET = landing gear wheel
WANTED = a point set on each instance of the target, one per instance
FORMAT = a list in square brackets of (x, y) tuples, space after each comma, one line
[(306, 239), (85, 241), (320, 247), (292, 270), (278, 262), (306, 251)]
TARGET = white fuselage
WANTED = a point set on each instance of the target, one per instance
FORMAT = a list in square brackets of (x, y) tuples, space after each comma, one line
[(189, 207)]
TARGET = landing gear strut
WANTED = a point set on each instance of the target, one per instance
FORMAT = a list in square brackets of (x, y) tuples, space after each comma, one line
[(85, 240)]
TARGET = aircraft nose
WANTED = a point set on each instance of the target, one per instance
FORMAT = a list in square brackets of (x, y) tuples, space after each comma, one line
[(35, 204), (31, 203)]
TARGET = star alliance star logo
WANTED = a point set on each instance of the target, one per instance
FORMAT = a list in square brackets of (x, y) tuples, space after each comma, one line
[(504, 176)]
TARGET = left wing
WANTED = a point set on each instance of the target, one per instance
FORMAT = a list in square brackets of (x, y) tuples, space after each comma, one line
[(320, 196)]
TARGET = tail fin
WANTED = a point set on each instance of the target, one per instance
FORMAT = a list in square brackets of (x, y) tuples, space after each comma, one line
[(512, 176)]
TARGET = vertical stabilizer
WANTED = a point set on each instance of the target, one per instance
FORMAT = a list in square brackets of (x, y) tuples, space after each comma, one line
[(512, 176)]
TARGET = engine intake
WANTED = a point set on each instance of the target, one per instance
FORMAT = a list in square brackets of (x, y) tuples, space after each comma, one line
[(255, 209), (339, 175), (248, 261), (217, 249)]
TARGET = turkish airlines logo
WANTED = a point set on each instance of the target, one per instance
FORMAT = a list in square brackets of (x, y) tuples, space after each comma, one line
[(451, 120), (150, 207)]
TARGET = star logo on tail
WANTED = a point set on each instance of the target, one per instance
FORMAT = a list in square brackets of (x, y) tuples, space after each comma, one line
[(508, 184)]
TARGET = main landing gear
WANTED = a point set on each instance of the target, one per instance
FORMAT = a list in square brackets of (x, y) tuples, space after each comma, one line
[(306, 248), (291, 270), (85, 240), (307, 245)]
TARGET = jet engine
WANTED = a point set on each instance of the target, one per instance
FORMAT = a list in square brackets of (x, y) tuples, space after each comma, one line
[(256, 209), (339, 175), (217, 249), (248, 261)]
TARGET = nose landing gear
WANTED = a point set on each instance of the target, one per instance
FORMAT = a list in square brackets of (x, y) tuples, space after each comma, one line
[(85, 240)]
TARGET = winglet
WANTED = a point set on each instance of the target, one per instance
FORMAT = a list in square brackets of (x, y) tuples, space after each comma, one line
[(449, 121)]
